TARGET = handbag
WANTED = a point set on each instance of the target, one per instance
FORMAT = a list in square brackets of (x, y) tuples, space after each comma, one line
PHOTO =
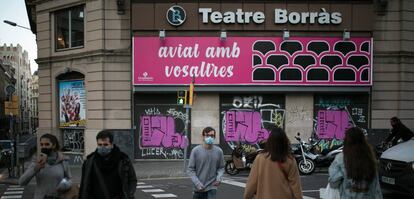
[(72, 193), (67, 189), (331, 193)]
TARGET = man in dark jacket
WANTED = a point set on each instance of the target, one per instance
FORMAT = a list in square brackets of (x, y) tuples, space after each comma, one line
[(399, 130), (107, 173)]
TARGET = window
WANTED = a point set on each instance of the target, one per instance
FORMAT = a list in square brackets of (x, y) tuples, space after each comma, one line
[(69, 28)]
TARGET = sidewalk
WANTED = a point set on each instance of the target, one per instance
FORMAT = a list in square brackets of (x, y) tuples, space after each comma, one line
[(143, 170)]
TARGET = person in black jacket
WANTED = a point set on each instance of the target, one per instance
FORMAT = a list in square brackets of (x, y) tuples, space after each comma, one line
[(399, 130), (107, 173)]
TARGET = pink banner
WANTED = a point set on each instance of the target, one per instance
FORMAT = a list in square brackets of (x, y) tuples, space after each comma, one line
[(252, 61)]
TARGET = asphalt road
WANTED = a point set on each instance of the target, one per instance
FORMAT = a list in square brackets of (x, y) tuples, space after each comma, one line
[(232, 187)]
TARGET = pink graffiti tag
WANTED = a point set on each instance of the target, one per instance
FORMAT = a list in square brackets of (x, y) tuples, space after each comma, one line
[(244, 126), (159, 131), (332, 124)]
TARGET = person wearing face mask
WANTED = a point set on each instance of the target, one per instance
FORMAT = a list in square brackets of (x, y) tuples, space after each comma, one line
[(50, 167), (107, 173), (206, 166)]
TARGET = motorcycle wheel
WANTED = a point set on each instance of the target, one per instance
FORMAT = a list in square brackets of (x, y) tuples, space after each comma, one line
[(306, 168), (230, 168)]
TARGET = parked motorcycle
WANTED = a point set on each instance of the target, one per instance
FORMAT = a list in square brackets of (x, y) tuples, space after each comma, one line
[(240, 160), (308, 157), (381, 147)]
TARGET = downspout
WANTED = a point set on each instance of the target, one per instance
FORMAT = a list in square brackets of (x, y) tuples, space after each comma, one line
[(400, 54), (103, 64), (132, 86)]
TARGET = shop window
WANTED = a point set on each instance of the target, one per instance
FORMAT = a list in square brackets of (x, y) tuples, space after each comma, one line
[(245, 118), (160, 126), (69, 28), (334, 113)]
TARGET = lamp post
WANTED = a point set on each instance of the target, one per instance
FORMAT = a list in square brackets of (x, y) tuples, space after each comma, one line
[(15, 24), (16, 135)]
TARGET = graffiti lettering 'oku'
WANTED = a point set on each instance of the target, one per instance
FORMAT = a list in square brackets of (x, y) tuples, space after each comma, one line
[(245, 126), (332, 124), (159, 131)]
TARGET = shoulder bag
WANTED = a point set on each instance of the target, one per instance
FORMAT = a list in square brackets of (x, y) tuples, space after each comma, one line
[(67, 189)]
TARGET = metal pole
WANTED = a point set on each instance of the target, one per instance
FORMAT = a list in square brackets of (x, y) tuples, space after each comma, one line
[(17, 155), (15, 24), (187, 122), (11, 174)]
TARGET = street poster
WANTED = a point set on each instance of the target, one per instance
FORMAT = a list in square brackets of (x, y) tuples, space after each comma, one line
[(72, 102)]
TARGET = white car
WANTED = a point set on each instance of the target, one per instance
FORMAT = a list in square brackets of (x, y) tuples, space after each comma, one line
[(397, 168)]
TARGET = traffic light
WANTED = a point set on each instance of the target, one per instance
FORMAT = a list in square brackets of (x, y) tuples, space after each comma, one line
[(182, 97)]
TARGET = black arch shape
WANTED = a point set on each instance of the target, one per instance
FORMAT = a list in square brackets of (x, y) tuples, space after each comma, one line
[(264, 46), (291, 47), (318, 47)]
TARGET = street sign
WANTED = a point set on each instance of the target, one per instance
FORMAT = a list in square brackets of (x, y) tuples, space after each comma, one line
[(11, 108), (7, 107), (15, 98), (9, 89)]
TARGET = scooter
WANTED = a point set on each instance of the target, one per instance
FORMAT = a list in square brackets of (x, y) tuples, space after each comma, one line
[(307, 158), (240, 160)]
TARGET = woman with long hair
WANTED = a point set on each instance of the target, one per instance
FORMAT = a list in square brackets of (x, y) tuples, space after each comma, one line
[(354, 172), (274, 173), (50, 167)]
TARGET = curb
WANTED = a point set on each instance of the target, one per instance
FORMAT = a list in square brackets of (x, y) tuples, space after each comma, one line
[(158, 176), (9, 181), (4, 178)]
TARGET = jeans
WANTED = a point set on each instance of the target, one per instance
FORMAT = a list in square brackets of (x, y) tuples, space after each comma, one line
[(210, 194)]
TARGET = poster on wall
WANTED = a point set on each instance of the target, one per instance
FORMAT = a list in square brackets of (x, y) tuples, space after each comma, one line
[(334, 114), (161, 131), (246, 118), (72, 104), (299, 61)]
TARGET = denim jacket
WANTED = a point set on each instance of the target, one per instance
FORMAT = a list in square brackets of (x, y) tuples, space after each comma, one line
[(338, 180)]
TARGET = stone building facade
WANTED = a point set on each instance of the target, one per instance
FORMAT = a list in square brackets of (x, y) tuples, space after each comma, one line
[(34, 98), (393, 88), (19, 60), (6, 78), (112, 42), (86, 41)]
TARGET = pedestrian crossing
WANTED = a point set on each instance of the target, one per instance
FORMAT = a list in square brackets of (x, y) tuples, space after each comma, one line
[(13, 192), (155, 192)]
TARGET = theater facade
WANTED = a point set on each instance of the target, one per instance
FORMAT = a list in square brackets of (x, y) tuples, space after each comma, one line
[(305, 67)]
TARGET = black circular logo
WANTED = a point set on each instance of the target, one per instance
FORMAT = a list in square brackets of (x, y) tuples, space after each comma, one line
[(176, 15)]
